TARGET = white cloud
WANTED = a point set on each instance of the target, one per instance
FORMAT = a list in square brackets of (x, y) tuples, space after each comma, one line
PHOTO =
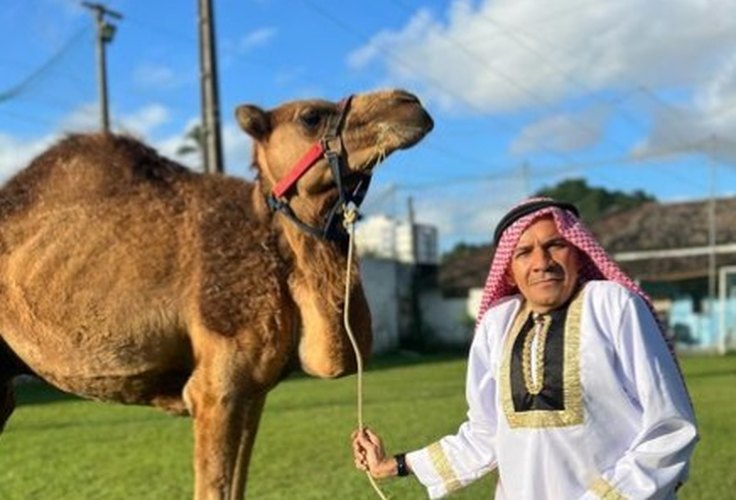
[(84, 118), (706, 124), (142, 122), (508, 54), (15, 154), (145, 120), (564, 132), (692, 131), (502, 56), (470, 215), (257, 38), (155, 76), (719, 93), (236, 149), (170, 145)]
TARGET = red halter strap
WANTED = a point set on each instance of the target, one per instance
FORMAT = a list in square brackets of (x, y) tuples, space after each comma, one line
[(317, 151), (304, 164)]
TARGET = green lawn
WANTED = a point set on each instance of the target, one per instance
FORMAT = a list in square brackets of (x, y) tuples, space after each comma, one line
[(58, 447)]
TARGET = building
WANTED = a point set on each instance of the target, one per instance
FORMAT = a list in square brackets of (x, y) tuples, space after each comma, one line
[(384, 237), (684, 256)]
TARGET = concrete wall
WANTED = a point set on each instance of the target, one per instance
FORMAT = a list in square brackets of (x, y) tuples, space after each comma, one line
[(387, 284), (380, 282), (448, 319), (705, 330)]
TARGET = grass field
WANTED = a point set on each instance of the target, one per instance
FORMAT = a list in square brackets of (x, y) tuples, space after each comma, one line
[(58, 447)]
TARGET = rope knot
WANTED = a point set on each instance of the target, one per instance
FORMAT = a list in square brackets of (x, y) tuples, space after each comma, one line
[(349, 216)]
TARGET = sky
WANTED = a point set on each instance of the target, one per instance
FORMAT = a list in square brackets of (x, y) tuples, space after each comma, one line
[(627, 94)]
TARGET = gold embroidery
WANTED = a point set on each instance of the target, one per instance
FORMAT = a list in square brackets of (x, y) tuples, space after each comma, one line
[(572, 387), (443, 467), (603, 489), (535, 381)]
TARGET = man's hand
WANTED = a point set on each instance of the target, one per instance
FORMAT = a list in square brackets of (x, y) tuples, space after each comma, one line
[(369, 455)]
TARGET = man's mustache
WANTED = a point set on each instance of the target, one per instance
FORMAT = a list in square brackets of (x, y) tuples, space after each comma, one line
[(554, 271)]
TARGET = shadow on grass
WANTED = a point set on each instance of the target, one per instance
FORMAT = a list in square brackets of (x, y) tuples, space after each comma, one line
[(38, 392), (406, 358), (398, 359)]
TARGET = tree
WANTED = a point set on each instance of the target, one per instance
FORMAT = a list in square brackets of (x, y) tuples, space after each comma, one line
[(193, 142), (594, 202)]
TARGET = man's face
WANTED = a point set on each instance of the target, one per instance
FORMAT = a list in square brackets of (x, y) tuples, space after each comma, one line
[(544, 266)]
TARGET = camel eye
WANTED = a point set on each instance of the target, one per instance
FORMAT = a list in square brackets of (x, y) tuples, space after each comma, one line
[(311, 118)]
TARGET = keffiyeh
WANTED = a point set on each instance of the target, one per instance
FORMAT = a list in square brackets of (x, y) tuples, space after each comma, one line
[(596, 264)]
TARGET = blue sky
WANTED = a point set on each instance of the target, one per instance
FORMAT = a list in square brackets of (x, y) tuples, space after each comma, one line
[(629, 94)]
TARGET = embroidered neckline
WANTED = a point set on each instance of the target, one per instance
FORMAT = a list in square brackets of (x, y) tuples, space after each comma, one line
[(572, 413), (534, 371)]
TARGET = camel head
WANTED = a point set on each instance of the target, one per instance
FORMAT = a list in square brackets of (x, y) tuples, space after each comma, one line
[(361, 131)]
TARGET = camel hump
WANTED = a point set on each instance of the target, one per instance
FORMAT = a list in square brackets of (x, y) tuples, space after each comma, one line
[(89, 164)]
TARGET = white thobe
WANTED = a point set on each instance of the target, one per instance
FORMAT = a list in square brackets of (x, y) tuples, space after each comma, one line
[(627, 429)]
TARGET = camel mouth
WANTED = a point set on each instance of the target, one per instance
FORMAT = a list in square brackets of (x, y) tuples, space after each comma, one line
[(409, 124), (417, 121)]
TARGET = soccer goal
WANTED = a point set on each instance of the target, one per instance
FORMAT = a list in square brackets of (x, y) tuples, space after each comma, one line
[(727, 302)]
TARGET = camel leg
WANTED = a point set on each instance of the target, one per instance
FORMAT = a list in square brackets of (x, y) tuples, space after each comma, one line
[(7, 402), (247, 439), (226, 410)]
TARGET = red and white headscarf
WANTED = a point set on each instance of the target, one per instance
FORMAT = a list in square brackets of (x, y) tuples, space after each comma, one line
[(596, 263)]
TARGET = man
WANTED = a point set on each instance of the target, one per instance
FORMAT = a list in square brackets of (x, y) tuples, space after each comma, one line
[(572, 390)]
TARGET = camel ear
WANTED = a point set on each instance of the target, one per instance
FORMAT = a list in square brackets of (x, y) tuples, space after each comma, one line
[(253, 120)]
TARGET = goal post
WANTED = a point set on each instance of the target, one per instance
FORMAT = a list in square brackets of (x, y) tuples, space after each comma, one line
[(726, 290)]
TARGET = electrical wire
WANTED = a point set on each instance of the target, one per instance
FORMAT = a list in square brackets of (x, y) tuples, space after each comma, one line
[(36, 74)]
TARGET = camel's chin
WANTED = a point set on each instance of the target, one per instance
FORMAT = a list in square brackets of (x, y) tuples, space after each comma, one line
[(366, 162)]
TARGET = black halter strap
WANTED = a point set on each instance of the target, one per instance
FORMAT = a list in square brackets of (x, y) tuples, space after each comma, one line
[(331, 148)]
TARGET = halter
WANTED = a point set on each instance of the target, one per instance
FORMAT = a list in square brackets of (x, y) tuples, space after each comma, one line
[(330, 147)]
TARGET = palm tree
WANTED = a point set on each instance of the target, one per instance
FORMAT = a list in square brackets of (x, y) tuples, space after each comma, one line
[(193, 142)]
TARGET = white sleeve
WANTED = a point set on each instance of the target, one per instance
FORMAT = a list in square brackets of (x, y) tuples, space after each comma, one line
[(456, 460), (657, 459)]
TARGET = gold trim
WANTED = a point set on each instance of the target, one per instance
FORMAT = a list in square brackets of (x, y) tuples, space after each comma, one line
[(442, 466), (534, 383), (603, 489), (572, 387)]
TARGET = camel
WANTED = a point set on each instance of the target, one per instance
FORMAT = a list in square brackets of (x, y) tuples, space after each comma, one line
[(126, 277)]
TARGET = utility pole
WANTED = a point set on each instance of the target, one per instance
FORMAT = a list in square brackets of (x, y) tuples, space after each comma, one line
[(412, 231), (712, 226), (210, 101), (105, 34), (415, 338)]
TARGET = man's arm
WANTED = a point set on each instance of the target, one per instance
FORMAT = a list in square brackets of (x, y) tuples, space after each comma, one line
[(657, 459), (453, 461), (456, 460)]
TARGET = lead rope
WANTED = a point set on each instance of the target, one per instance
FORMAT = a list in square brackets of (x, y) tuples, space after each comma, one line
[(349, 217)]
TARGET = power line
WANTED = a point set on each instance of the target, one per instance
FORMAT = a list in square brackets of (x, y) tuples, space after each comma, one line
[(506, 77), (39, 72), (550, 171), (502, 124)]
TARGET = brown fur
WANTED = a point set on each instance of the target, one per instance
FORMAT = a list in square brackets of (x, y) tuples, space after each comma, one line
[(126, 277)]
